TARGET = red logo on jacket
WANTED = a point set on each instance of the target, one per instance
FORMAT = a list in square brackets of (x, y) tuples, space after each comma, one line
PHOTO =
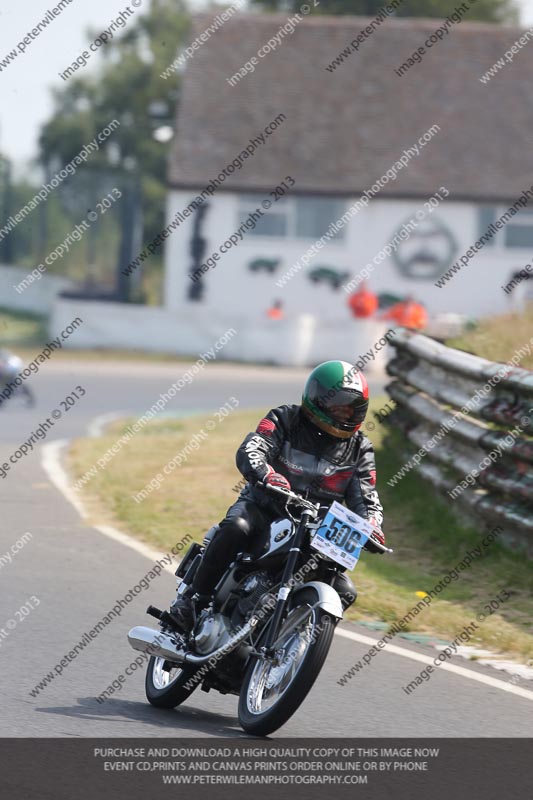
[(336, 482), (266, 427)]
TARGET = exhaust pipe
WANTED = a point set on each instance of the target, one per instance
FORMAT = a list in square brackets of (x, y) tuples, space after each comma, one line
[(155, 643), (162, 645)]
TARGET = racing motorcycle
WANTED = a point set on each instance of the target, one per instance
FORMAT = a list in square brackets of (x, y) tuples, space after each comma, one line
[(10, 368), (267, 631)]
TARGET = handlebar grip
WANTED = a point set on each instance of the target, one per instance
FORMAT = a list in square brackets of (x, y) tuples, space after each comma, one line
[(269, 487), (382, 547)]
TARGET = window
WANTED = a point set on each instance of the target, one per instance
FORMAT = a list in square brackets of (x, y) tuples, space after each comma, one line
[(274, 222), (486, 216), (517, 232), (293, 217), (314, 215)]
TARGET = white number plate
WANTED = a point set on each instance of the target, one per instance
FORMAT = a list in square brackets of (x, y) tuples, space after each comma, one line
[(342, 535)]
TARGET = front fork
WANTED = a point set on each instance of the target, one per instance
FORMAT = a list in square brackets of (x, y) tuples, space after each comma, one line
[(286, 586)]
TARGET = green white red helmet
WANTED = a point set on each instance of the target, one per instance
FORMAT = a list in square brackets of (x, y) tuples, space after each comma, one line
[(335, 398)]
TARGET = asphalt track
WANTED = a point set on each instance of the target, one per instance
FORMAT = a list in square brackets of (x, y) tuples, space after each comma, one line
[(77, 574)]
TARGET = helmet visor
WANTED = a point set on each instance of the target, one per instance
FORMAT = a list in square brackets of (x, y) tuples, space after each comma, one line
[(346, 408)]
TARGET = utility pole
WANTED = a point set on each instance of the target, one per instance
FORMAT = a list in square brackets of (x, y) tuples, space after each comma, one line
[(6, 245)]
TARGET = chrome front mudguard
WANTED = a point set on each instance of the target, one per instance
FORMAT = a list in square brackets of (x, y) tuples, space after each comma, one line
[(327, 598)]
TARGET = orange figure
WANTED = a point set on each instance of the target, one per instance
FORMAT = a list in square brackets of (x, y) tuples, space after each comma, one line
[(276, 310), (363, 303), (408, 314)]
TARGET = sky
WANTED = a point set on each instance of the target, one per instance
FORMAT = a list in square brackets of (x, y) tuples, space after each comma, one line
[(26, 82)]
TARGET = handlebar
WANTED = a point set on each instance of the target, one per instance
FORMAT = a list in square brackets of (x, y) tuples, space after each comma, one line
[(291, 497), (312, 507)]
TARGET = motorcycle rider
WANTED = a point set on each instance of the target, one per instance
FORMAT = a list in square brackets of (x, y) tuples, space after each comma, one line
[(315, 447), (10, 368)]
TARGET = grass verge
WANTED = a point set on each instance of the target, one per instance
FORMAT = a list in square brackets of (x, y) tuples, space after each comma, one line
[(498, 338), (21, 329), (427, 539)]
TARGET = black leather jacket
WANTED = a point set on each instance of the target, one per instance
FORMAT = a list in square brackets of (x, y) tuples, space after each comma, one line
[(330, 468)]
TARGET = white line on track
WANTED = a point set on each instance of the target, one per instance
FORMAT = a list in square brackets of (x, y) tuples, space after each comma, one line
[(97, 426), (462, 671), (51, 462)]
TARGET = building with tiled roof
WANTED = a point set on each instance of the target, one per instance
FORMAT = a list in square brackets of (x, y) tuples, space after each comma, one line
[(356, 199)]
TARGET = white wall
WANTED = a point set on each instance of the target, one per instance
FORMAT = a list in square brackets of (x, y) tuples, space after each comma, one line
[(475, 291), (300, 341), (37, 297)]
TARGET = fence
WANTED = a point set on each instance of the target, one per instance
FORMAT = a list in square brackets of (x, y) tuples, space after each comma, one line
[(467, 424)]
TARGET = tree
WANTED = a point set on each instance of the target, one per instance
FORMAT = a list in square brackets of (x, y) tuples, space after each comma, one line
[(486, 10), (128, 87)]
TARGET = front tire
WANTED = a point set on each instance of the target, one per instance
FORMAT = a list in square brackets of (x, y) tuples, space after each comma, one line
[(270, 695), (168, 688), (28, 396)]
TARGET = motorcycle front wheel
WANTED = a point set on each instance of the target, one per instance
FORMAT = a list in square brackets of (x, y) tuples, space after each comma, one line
[(272, 692), (28, 396), (167, 685)]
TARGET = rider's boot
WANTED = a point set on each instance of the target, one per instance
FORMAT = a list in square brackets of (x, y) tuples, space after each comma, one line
[(184, 609)]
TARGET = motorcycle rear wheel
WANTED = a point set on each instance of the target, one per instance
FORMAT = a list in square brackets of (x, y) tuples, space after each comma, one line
[(169, 688)]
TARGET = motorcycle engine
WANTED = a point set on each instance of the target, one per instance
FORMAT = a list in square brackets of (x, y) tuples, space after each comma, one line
[(251, 590), (214, 629), (212, 632)]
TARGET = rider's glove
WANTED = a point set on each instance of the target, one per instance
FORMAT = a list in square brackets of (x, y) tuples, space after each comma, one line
[(277, 480), (378, 535)]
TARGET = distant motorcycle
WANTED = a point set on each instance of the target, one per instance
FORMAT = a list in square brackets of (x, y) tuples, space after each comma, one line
[(267, 631), (10, 368)]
